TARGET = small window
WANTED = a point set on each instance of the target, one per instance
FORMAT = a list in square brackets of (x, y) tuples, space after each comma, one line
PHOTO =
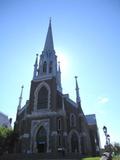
[(45, 67), (59, 124), (72, 120), (59, 132)]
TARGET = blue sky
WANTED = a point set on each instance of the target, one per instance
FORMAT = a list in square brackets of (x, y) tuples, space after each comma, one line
[(87, 41)]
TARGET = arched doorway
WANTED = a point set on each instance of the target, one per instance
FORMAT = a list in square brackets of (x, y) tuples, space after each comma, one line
[(41, 140), (74, 143)]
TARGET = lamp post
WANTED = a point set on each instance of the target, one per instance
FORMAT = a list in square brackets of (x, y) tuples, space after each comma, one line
[(105, 132), (107, 136), (108, 139)]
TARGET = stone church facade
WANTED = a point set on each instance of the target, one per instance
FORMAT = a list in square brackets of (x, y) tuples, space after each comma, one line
[(50, 122)]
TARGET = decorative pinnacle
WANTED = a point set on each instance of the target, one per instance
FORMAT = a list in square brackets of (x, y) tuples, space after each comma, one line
[(36, 60), (20, 98), (50, 20), (77, 91), (59, 65), (21, 91), (76, 83)]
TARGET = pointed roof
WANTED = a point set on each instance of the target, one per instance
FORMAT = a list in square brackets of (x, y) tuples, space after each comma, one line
[(49, 39)]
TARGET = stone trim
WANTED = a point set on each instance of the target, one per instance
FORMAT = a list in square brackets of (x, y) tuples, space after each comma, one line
[(65, 134), (54, 133), (25, 135), (43, 77), (45, 113)]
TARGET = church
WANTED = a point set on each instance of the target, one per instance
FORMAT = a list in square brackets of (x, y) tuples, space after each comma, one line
[(50, 122)]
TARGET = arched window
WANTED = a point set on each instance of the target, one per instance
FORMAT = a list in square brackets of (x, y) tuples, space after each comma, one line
[(42, 98), (50, 67), (45, 67)]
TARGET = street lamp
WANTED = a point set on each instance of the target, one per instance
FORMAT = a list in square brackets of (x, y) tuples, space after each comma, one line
[(105, 130), (107, 136)]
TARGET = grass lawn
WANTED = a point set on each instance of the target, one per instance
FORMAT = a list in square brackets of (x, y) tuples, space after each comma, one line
[(92, 158), (98, 158), (116, 158)]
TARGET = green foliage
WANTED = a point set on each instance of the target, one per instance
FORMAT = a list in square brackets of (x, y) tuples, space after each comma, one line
[(7, 140), (116, 148), (4, 132)]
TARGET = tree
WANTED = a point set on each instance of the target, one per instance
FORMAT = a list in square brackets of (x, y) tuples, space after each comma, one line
[(3, 135), (7, 140), (116, 148)]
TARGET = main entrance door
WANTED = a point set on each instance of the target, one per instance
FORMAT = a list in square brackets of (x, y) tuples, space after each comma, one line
[(41, 140)]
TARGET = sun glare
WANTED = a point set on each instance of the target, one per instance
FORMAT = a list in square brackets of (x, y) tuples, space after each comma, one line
[(63, 59)]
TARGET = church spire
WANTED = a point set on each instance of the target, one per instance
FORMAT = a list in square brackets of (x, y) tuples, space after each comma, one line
[(77, 92), (49, 39), (20, 99)]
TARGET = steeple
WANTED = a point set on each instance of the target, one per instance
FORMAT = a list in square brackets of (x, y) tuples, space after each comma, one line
[(35, 67), (48, 59), (48, 68), (49, 39), (78, 101), (20, 99)]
